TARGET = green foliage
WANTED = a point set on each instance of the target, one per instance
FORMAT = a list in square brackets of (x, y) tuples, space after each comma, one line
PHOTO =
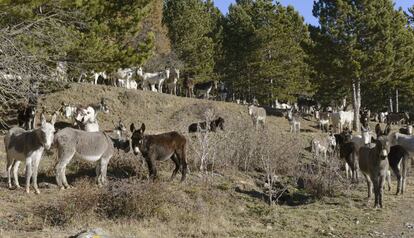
[(193, 30), (95, 34), (361, 40), (264, 50)]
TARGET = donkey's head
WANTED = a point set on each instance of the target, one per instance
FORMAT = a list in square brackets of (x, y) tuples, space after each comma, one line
[(103, 106), (137, 138), (383, 147), (121, 142), (140, 71), (85, 115), (167, 72), (47, 131), (381, 132), (251, 108)]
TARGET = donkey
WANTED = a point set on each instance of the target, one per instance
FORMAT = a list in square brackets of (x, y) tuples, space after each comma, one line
[(408, 130), (217, 123), (160, 147), (258, 115), (399, 159), (373, 162), (86, 119), (68, 111), (86, 116), (26, 117), (28, 146), (171, 81), (189, 87), (89, 146), (153, 79), (204, 89), (293, 121), (397, 117)]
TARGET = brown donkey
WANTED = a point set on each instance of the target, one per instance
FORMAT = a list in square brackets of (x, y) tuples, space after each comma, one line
[(160, 147)]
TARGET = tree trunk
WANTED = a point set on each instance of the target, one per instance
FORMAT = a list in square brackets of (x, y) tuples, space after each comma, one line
[(391, 108), (356, 100), (396, 101)]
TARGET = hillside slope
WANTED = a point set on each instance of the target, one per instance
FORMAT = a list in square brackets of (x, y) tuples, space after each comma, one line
[(228, 202)]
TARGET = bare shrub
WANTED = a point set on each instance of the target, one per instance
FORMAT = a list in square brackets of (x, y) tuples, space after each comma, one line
[(204, 146), (141, 200), (78, 204), (125, 165), (322, 177)]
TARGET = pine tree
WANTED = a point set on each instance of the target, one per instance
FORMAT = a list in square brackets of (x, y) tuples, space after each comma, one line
[(264, 51), (190, 26), (366, 40)]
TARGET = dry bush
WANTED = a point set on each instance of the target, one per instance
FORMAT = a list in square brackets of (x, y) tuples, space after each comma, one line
[(79, 204), (125, 165), (137, 201), (322, 178)]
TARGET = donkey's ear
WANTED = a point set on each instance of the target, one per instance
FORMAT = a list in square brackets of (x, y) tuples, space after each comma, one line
[(132, 127), (142, 128), (53, 118), (43, 119)]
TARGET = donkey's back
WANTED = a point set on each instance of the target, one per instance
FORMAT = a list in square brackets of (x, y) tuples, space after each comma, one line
[(85, 144)]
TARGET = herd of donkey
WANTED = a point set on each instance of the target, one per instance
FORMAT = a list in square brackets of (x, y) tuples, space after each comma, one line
[(372, 153)]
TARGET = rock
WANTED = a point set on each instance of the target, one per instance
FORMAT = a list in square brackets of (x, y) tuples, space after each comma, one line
[(91, 233), (409, 225)]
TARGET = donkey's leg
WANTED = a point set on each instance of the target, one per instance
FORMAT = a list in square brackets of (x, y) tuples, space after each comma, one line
[(151, 167), (9, 167), (377, 186), (35, 163), (103, 166), (15, 173), (181, 154), (28, 173), (64, 159), (397, 173), (98, 173), (347, 171), (177, 166), (369, 184), (381, 190), (404, 169), (388, 178)]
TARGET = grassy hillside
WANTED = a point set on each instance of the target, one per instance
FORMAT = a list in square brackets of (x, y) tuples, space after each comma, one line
[(229, 199)]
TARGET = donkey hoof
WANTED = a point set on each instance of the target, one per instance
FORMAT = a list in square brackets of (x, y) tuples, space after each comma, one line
[(62, 188), (37, 191), (27, 190)]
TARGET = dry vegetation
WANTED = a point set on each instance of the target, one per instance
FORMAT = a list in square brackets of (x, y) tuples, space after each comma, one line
[(234, 175)]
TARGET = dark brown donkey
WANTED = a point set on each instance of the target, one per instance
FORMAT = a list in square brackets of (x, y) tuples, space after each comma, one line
[(160, 147), (217, 123)]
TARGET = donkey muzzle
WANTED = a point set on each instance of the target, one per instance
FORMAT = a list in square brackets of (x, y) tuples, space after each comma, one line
[(136, 150), (384, 154)]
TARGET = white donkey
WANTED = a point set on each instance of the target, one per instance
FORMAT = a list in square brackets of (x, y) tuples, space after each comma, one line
[(258, 115), (28, 146), (153, 79), (86, 117), (89, 146)]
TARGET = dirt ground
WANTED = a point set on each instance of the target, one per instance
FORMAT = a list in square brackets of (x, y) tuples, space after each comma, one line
[(227, 205)]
